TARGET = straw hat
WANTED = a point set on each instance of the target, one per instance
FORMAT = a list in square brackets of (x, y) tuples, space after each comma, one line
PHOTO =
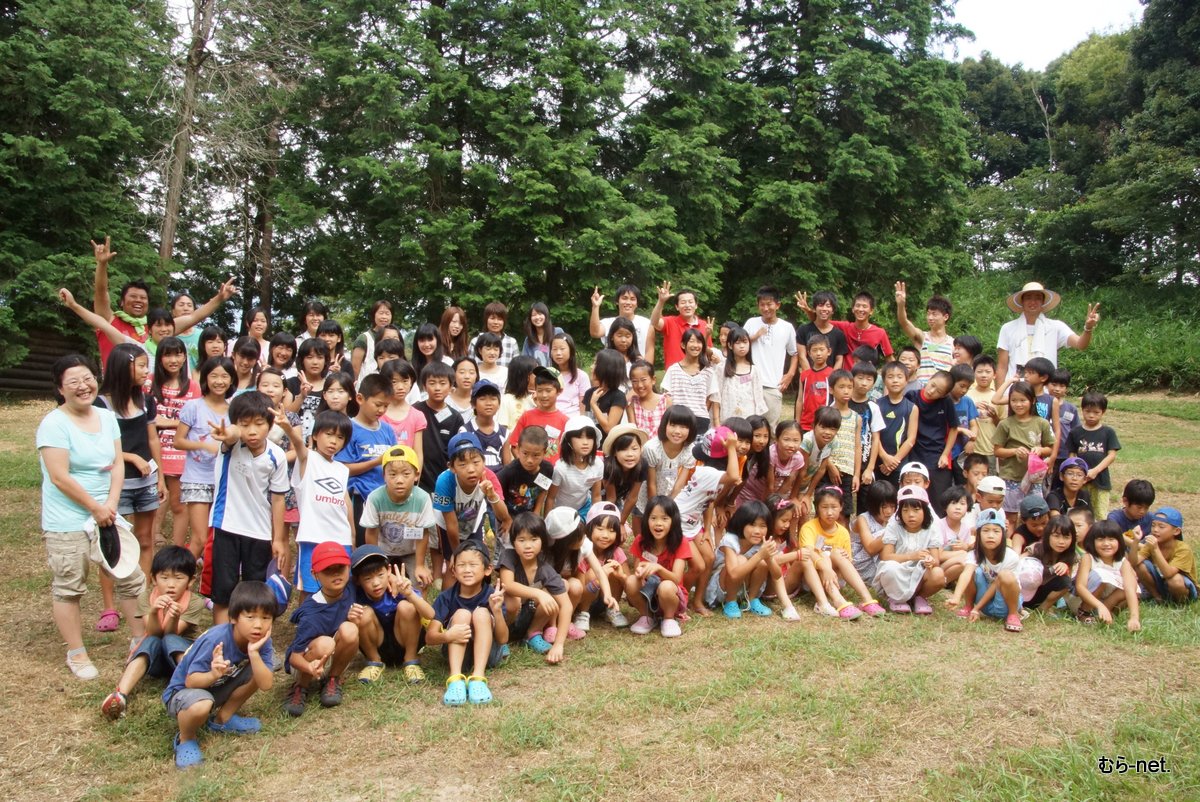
[(1052, 298)]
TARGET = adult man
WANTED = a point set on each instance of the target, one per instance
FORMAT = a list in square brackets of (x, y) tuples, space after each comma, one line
[(130, 319), (772, 341), (629, 297), (673, 326), (1033, 334)]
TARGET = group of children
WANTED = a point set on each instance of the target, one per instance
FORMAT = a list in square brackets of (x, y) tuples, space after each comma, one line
[(530, 516)]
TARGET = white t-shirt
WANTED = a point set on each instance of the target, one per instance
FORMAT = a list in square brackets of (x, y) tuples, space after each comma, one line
[(1023, 341), (321, 497), (770, 351), (991, 570), (666, 470), (575, 485), (695, 497), (640, 324), (241, 501)]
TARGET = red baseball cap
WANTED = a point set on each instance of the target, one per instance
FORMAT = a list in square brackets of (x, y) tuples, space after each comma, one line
[(327, 555)]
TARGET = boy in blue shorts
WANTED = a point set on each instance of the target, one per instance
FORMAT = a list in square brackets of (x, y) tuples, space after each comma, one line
[(324, 633), (220, 672), (468, 622), (173, 617), (388, 615), (1165, 564), (369, 439), (460, 501)]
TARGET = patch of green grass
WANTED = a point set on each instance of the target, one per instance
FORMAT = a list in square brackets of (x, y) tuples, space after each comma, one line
[(20, 469), (1182, 408), (558, 782)]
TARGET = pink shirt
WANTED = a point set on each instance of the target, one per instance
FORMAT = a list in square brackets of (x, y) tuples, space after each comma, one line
[(406, 430)]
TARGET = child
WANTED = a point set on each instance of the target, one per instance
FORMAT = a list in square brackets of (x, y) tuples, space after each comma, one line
[(992, 585), (369, 439), (936, 425), (173, 616), (485, 402), (646, 407), (1097, 445), (441, 422), (914, 473), (900, 418), (246, 354), (625, 472), (572, 554), (1034, 516), (427, 349), (545, 414), (193, 437), (212, 342), (966, 415), (465, 376), (910, 357), (408, 423), (453, 330), (757, 471), (339, 395), (1134, 515), (535, 595), (468, 623), (956, 531), (461, 498), (622, 338), (989, 495), (660, 557), (1017, 436), (817, 446), (821, 314), (966, 348), (606, 401), (603, 531), (981, 392), (172, 389), (388, 611), (1083, 520), (814, 382), (1068, 418), (486, 350), (844, 461), (525, 480), (247, 511), (539, 331), (692, 381), (220, 672), (281, 353), (1106, 581), (866, 542), (1070, 493), (307, 385), (826, 542), (335, 340), (495, 316), (908, 571), (1164, 563), (1050, 579), (669, 458), (936, 346), (745, 564), (324, 631), (578, 475), (326, 512), (398, 517), (739, 385), (270, 384), (975, 470), (518, 391), (574, 381), (870, 425)]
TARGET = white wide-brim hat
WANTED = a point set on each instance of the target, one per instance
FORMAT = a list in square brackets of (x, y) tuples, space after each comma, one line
[(1052, 298), (114, 548)]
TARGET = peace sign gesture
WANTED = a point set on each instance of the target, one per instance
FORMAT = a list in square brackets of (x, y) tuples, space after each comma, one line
[(220, 666), (1093, 317), (664, 291)]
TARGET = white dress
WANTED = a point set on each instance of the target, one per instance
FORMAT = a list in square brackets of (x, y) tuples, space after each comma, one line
[(900, 580)]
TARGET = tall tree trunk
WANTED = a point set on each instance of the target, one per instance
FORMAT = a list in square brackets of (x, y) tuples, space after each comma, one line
[(265, 218), (204, 13)]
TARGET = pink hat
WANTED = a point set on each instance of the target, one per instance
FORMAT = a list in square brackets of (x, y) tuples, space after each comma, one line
[(912, 493)]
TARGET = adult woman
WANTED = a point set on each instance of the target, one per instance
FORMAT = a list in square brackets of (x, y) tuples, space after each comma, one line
[(257, 325), (454, 332), (1033, 334), (79, 447), (362, 356)]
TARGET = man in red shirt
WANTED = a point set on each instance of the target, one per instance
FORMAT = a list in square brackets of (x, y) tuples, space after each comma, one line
[(673, 326)]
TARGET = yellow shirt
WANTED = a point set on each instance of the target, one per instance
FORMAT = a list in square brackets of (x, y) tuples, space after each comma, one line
[(812, 532), (1182, 558)]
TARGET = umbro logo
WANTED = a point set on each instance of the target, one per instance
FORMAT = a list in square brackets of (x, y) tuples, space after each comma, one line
[(330, 485)]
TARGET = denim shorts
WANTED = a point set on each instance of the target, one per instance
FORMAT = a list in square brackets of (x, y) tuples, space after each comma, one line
[(1161, 584), (158, 650), (997, 607), (138, 499)]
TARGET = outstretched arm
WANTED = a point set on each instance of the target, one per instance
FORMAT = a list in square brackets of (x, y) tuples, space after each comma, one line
[(104, 254), (227, 291), (914, 334), (93, 319)]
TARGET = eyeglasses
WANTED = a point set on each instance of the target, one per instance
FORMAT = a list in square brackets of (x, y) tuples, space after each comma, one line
[(75, 384)]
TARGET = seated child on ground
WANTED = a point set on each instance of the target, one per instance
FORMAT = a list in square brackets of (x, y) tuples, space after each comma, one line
[(388, 615), (908, 571), (220, 672), (1106, 581), (745, 565), (990, 579), (825, 542), (536, 603), (1048, 579), (1164, 563), (655, 586), (573, 555)]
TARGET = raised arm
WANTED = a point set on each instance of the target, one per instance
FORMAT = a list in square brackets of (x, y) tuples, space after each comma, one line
[(93, 319), (594, 327), (664, 292), (914, 334), (101, 304), (227, 291)]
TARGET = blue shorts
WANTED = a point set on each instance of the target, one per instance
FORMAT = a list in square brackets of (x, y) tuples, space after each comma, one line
[(158, 652), (997, 607), (1161, 584), (219, 694), (139, 499), (305, 580)]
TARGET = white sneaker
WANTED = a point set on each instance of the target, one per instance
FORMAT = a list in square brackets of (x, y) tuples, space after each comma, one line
[(789, 614), (643, 626), (825, 609), (670, 628), (617, 618), (583, 621)]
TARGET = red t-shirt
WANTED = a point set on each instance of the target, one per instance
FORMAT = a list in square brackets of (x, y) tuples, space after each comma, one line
[(106, 345), (672, 331), (667, 558), (872, 336), (814, 389), (553, 422)]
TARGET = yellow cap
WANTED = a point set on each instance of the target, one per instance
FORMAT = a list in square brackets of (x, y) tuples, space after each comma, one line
[(401, 453)]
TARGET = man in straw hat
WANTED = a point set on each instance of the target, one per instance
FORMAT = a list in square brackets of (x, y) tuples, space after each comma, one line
[(1033, 334)]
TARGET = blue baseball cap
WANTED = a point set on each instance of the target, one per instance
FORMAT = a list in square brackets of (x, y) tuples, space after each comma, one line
[(1169, 516), (484, 386), (463, 441), (992, 517), (365, 553)]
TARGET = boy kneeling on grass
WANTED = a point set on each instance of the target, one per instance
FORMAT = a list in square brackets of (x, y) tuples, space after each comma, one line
[(222, 669), (173, 616)]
